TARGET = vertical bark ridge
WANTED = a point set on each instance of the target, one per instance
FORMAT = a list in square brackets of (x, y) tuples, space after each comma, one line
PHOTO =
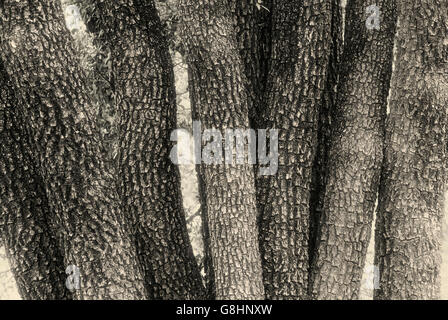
[(35, 257), (80, 190), (409, 220), (296, 80), (252, 29), (355, 154), (149, 181), (324, 131), (253, 33), (220, 101)]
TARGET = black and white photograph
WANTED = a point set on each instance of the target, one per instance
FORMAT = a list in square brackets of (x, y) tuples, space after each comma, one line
[(214, 150)]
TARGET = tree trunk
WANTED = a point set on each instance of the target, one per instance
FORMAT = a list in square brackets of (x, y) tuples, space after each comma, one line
[(80, 190), (149, 182), (355, 154), (219, 101), (410, 210), (36, 260), (301, 46), (253, 34), (318, 182)]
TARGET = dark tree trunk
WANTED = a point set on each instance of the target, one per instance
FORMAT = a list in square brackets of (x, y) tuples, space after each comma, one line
[(409, 221), (66, 150), (149, 183), (355, 154), (210, 286), (319, 175), (253, 34), (36, 260), (296, 81), (220, 101)]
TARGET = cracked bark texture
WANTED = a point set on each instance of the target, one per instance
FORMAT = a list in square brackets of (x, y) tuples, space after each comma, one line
[(294, 92), (355, 154), (220, 101), (149, 183), (36, 260), (87, 220), (252, 30), (319, 174), (410, 210)]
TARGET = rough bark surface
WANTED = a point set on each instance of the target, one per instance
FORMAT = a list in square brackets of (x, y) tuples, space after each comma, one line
[(253, 34), (324, 130), (149, 183), (87, 219), (36, 260), (355, 154), (409, 220), (220, 101), (294, 91)]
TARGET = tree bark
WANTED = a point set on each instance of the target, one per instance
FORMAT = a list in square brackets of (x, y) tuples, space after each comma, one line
[(219, 101), (253, 34), (80, 190), (319, 175), (355, 154), (296, 81), (410, 210), (149, 183), (35, 257)]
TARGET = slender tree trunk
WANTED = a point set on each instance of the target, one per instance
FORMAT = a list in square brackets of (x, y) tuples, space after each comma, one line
[(324, 132), (409, 221), (149, 182), (36, 260), (355, 154), (80, 190), (253, 33), (296, 81), (252, 29), (219, 101)]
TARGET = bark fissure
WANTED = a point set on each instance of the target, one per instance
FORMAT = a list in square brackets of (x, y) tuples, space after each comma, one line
[(294, 93), (149, 182), (220, 101), (355, 153), (44, 72), (409, 219)]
